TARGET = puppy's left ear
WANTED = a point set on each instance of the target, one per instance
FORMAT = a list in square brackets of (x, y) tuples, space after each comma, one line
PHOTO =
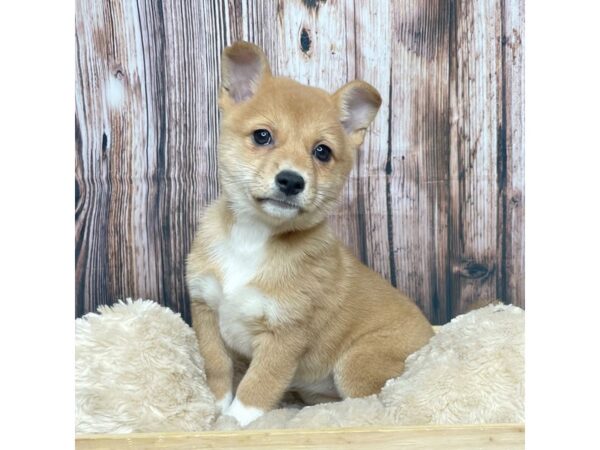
[(358, 103), (243, 68)]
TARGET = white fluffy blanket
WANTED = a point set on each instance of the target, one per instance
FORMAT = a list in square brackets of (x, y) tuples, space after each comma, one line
[(138, 369)]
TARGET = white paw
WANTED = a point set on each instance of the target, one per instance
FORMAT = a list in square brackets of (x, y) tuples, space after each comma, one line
[(224, 402), (242, 413)]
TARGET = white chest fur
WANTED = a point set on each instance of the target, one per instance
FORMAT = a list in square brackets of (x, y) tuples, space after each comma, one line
[(239, 257)]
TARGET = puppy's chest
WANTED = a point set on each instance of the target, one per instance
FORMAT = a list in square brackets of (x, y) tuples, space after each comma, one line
[(241, 308)]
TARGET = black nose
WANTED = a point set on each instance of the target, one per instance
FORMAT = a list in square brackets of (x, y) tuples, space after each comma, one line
[(290, 183)]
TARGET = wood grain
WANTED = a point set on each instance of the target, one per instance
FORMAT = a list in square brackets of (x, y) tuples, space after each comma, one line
[(419, 159), (447, 437), (483, 228), (513, 196), (435, 203)]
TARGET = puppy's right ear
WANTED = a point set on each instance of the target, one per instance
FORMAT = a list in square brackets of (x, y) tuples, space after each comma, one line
[(243, 67)]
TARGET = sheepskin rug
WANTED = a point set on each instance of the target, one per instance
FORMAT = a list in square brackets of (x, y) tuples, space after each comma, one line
[(138, 368)]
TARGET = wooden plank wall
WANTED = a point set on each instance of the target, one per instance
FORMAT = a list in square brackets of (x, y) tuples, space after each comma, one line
[(435, 203)]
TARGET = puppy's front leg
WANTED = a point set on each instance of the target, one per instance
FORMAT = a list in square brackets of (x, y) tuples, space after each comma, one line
[(218, 363), (271, 371)]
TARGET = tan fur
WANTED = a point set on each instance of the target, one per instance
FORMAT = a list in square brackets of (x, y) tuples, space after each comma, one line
[(311, 310)]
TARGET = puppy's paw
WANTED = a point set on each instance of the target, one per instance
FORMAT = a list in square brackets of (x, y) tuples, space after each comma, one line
[(242, 413), (224, 402)]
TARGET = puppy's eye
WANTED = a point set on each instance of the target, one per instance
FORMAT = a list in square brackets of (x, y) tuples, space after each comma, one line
[(322, 153), (262, 137)]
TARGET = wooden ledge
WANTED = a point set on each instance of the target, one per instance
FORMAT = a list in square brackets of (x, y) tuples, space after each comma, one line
[(430, 437)]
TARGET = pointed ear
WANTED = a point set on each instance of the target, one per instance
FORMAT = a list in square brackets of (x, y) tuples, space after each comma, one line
[(358, 103), (243, 67)]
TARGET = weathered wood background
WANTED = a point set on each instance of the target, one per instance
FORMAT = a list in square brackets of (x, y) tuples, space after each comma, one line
[(435, 203)]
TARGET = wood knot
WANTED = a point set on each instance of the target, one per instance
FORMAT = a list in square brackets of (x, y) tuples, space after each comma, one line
[(313, 4), (473, 270), (305, 41), (516, 199), (104, 144)]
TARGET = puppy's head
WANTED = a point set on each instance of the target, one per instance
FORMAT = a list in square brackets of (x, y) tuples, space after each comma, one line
[(286, 149)]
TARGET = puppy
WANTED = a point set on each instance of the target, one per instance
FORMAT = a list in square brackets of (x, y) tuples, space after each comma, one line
[(268, 280)]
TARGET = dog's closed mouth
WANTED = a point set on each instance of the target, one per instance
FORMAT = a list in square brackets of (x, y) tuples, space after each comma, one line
[(279, 202)]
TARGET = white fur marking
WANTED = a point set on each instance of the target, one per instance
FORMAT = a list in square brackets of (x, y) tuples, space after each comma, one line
[(224, 402), (206, 288), (245, 305), (242, 254), (240, 258), (242, 413)]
